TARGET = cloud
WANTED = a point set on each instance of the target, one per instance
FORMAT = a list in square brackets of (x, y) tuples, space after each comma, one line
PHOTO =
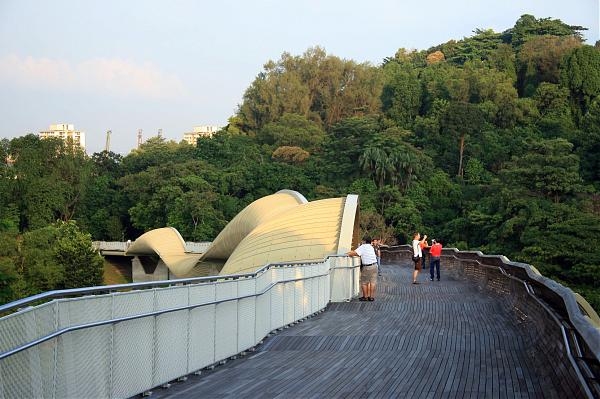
[(107, 76)]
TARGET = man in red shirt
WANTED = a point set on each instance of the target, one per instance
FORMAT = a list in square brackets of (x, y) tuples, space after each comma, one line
[(435, 253)]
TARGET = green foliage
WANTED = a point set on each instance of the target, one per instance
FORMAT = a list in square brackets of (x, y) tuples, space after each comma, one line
[(588, 144), (561, 243), (224, 149), (82, 265), (292, 130), (460, 122), (9, 268), (581, 74), (475, 172), (480, 47), (292, 155), (57, 256), (548, 167), (322, 88), (344, 146), (202, 210), (539, 60), (366, 191), (410, 57), (401, 94), (390, 158), (373, 225), (405, 217), (41, 270), (502, 59), (528, 27)]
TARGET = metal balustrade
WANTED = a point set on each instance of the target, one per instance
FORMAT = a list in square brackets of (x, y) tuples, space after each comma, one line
[(558, 328), (121, 246), (122, 340)]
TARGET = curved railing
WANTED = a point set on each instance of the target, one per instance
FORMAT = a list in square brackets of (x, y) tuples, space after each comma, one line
[(562, 331), (122, 340)]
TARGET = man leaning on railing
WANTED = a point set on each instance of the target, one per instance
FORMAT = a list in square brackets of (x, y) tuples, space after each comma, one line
[(368, 273)]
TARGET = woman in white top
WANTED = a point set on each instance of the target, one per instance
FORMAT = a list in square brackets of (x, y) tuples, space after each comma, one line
[(417, 254)]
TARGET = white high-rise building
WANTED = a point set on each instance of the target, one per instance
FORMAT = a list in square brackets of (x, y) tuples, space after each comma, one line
[(200, 131), (65, 131)]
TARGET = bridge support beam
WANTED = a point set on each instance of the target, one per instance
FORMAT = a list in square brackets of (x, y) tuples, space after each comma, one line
[(139, 275)]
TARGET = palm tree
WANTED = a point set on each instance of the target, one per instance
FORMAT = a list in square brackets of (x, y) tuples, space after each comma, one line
[(376, 161)]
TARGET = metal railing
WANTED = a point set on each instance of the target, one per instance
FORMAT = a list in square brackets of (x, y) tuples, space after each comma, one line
[(121, 340), (119, 246), (565, 340)]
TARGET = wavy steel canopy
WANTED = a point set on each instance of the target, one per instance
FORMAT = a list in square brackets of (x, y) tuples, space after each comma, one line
[(282, 227), (168, 244)]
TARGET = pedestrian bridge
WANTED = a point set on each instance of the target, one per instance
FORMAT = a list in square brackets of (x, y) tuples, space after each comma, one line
[(490, 328)]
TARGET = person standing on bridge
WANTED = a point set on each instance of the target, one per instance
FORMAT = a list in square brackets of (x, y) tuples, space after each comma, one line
[(377, 248), (435, 253), (368, 274), (417, 254), (424, 250)]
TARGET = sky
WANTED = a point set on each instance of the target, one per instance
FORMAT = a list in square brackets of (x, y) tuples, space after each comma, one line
[(124, 65)]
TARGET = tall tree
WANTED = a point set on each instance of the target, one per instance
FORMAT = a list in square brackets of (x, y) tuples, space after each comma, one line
[(344, 145), (588, 143), (401, 95), (556, 118), (539, 60), (82, 265), (479, 47), (580, 72), (462, 120), (548, 167), (50, 178), (292, 130), (322, 88), (527, 26)]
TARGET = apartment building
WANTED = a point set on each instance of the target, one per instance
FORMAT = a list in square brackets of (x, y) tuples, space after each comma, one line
[(200, 131), (67, 132)]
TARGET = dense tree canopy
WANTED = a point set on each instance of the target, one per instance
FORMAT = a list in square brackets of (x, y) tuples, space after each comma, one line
[(491, 142)]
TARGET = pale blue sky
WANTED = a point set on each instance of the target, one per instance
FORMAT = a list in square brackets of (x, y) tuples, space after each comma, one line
[(127, 65)]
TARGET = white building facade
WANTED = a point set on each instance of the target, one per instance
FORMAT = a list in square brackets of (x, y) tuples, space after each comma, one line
[(65, 131), (200, 131)]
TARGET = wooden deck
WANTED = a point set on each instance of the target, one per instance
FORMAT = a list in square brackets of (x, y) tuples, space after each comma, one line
[(433, 340)]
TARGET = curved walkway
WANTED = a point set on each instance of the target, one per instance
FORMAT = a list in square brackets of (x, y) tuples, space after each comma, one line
[(436, 339)]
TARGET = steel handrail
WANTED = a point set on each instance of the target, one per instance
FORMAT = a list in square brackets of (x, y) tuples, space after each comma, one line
[(54, 294), (560, 325), (148, 314)]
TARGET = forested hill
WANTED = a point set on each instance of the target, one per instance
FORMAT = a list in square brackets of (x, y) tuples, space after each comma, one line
[(491, 142)]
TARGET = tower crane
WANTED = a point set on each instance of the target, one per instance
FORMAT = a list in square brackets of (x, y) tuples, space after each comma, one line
[(139, 138), (107, 146)]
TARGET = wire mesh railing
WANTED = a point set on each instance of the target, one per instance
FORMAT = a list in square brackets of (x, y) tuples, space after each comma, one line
[(118, 341)]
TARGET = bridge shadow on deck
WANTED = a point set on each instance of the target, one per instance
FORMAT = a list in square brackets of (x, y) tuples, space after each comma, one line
[(435, 339)]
